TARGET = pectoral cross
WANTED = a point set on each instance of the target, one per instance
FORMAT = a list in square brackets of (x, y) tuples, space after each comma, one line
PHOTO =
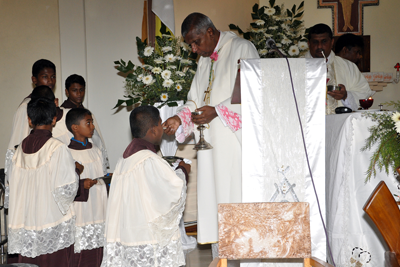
[(348, 14)]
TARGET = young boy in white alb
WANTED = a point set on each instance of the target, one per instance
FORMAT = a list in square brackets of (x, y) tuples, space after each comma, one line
[(91, 205), (147, 198)]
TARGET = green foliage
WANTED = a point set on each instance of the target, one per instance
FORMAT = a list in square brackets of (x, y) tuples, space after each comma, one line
[(165, 76), (283, 25), (385, 134)]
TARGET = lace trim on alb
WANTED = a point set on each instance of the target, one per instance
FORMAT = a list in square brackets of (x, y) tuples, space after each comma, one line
[(65, 195), (8, 161), (188, 127), (33, 243), (106, 163), (6, 197), (166, 226), (89, 237), (118, 255)]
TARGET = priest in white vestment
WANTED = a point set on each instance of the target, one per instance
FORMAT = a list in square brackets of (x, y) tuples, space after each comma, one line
[(219, 171), (353, 85)]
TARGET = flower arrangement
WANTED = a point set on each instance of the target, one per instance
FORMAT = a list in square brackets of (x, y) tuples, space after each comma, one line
[(284, 26), (166, 75), (387, 134)]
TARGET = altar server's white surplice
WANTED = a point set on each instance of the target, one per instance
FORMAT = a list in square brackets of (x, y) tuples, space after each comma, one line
[(145, 206), (42, 187)]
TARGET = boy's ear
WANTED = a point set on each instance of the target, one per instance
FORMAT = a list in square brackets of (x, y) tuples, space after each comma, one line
[(67, 92), (30, 122), (53, 123), (74, 127), (34, 80)]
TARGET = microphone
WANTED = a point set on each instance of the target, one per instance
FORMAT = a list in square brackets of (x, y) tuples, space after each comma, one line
[(270, 43)]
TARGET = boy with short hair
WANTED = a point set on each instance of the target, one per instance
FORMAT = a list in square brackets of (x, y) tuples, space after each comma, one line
[(146, 201), (43, 73), (75, 87), (42, 185), (92, 206)]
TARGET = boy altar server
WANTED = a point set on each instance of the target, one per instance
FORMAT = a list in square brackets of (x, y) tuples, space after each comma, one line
[(146, 201), (91, 207), (42, 185)]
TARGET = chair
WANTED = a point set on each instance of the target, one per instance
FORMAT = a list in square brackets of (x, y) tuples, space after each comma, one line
[(382, 208), (265, 231)]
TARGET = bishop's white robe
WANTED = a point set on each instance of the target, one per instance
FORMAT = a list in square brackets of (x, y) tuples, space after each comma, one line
[(219, 170), (348, 74), (146, 202), (42, 187)]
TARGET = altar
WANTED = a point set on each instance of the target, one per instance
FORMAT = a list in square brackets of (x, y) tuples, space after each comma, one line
[(355, 240)]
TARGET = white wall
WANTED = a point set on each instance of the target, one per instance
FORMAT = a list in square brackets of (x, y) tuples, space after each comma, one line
[(105, 31), (28, 32), (379, 23)]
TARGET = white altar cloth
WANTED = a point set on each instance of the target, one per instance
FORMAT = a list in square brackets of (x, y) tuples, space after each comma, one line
[(351, 231), (272, 145)]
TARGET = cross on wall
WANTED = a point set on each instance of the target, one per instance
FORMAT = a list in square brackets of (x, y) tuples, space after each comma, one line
[(347, 14)]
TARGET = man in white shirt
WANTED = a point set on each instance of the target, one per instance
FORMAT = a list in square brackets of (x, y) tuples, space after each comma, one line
[(353, 85)]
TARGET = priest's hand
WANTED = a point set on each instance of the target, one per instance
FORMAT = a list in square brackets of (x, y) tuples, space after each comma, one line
[(340, 94), (171, 125), (88, 183), (209, 113)]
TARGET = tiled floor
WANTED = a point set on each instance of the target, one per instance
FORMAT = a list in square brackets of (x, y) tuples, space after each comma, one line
[(200, 257)]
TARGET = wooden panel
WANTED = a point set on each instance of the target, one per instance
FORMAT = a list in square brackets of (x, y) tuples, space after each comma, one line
[(264, 230), (384, 212)]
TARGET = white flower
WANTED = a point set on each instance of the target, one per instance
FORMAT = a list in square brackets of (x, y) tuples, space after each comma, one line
[(285, 40), (267, 35), (180, 73), (159, 61), (293, 50), (192, 71), (148, 51), (166, 49), (178, 87), (398, 126), (167, 83), (278, 45), (186, 61), (148, 79), (273, 27), (303, 45), (171, 67), (166, 74), (285, 27), (156, 70), (263, 52), (270, 11), (139, 78), (164, 97), (396, 117), (169, 58), (260, 22), (185, 46)]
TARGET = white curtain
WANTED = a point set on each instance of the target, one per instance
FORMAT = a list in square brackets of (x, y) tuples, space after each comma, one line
[(164, 9), (274, 162)]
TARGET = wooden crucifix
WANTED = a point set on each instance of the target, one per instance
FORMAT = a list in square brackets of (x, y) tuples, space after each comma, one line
[(347, 14)]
